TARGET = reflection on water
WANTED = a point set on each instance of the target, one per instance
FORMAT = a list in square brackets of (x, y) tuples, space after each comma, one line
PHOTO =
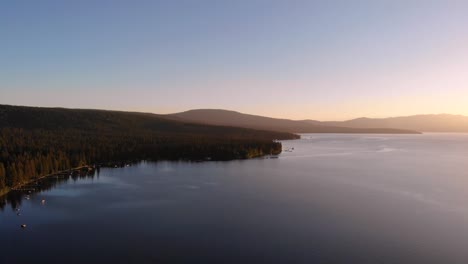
[(330, 199), (15, 197)]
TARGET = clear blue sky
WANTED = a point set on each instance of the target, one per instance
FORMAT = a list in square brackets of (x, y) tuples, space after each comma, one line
[(295, 59)]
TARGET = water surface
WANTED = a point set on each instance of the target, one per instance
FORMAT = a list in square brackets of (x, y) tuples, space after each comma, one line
[(331, 199)]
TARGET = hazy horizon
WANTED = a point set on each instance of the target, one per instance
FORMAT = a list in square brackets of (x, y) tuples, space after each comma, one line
[(321, 60), (234, 110), (344, 135)]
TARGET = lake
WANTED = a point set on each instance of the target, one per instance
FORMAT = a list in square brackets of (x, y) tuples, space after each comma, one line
[(327, 199)]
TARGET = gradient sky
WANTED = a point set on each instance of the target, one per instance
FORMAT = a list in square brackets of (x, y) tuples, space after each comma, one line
[(325, 60)]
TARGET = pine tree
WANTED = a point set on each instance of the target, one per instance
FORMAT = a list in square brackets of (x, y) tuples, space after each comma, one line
[(2, 176)]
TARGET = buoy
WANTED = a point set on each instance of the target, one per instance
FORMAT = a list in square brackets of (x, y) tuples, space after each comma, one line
[(23, 226), (43, 201)]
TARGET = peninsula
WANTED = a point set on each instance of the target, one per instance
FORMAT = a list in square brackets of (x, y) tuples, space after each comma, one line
[(40, 141)]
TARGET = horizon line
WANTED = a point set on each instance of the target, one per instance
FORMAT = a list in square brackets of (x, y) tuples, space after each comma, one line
[(230, 110)]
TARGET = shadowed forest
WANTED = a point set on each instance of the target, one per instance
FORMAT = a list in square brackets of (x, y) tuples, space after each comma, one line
[(39, 141)]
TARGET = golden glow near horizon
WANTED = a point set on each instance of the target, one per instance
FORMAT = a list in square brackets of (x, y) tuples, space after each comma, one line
[(378, 59)]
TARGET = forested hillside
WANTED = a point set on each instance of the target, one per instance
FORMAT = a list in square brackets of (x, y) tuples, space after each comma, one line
[(39, 141), (232, 118)]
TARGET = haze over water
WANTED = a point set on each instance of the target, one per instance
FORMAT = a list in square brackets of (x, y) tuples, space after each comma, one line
[(333, 199)]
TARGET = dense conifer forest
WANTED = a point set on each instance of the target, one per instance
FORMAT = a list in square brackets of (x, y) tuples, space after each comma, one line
[(39, 141)]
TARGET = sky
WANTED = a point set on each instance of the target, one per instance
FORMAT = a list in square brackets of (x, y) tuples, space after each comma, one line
[(323, 60)]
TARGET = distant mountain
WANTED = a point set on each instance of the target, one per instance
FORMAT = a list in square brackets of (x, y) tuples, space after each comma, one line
[(36, 141), (104, 121), (424, 123), (236, 119)]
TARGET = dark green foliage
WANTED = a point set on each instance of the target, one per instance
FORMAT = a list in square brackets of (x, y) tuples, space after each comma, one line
[(2, 176), (40, 141)]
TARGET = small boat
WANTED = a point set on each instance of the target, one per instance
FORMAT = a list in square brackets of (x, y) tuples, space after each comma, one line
[(43, 201), (23, 226)]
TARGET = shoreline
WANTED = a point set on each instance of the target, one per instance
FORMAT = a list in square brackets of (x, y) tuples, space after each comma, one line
[(18, 187), (6, 190)]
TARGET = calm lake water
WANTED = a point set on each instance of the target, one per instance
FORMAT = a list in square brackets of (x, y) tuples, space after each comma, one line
[(333, 199)]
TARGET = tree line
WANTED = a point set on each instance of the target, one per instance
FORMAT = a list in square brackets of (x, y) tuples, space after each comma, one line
[(39, 141)]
